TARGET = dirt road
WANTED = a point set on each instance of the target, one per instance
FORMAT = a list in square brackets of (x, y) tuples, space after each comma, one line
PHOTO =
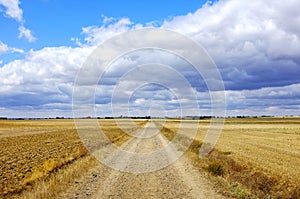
[(178, 180)]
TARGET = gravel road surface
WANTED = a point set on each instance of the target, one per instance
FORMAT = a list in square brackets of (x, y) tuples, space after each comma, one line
[(180, 179)]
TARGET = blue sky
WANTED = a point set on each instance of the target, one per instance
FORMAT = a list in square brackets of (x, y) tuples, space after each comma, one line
[(256, 46), (54, 22)]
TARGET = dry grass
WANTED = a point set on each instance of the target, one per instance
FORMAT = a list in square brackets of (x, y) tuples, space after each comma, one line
[(59, 181)]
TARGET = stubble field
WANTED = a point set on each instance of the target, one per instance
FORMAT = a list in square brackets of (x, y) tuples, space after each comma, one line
[(253, 157), (34, 153)]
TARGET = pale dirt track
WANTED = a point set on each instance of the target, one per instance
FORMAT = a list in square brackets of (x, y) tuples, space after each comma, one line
[(178, 180)]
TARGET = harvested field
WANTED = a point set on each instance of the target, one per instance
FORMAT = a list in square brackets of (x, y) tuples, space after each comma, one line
[(33, 150), (262, 155), (23, 155), (254, 157)]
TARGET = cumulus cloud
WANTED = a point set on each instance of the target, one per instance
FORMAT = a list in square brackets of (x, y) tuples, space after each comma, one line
[(95, 35), (26, 33), (255, 48), (3, 48), (269, 100), (42, 80), (51, 65), (13, 10), (255, 44), (251, 41)]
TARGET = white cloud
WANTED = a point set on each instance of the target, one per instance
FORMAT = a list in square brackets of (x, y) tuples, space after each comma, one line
[(3, 48), (247, 39), (47, 74), (107, 20), (245, 35), (285, 98), (17, 50), (255, 43), (12, 9), (26, 33), (95, 35)]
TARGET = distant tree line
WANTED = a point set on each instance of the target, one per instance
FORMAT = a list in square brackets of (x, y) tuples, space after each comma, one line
[(136, 117)]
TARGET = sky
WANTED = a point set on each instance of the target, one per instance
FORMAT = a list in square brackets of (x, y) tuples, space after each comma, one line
[(255, 45)]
